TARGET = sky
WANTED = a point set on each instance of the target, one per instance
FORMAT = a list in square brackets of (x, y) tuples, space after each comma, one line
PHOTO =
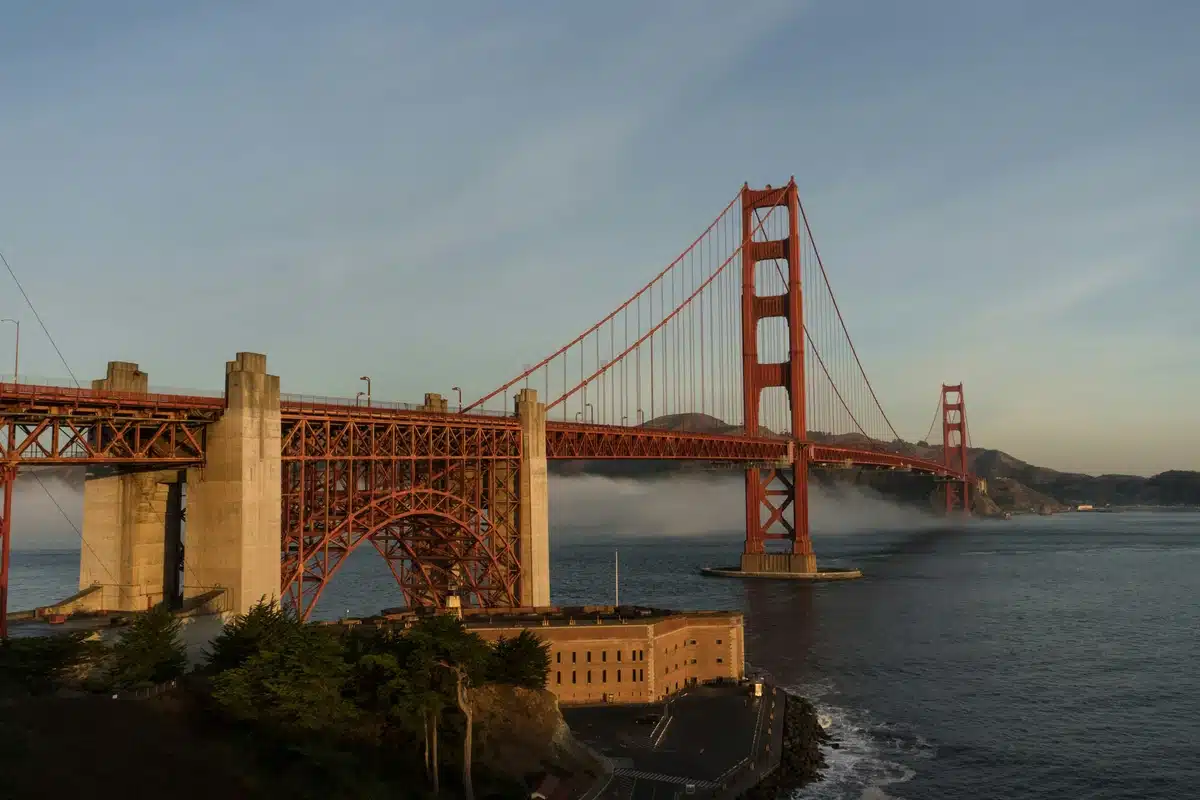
[(1005, 194)]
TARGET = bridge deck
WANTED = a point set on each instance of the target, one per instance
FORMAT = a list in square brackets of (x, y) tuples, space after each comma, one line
[(54, 425)]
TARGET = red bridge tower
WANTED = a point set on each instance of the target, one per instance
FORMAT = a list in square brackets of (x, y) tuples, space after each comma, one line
[(954, 447), (776, 497)]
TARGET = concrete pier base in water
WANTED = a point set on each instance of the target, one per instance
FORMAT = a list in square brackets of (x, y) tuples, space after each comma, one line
[(820, 575)]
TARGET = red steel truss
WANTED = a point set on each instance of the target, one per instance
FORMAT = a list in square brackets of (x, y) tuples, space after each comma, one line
[(8, 476), (608, 442), (434, 494), (44, 425)]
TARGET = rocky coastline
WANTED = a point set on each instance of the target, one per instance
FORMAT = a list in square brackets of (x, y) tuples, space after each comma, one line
[(801, 760)]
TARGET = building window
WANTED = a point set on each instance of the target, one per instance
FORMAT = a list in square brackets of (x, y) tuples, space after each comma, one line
[(693, 661), (691, 641), (589, 656), (718, 641), (572, 656), (619, 655), (604, 655), (604, 676), (641, 674), (720, 661), (559, 657), (618, 676), (589, 676), (572, 676), (558, 677)]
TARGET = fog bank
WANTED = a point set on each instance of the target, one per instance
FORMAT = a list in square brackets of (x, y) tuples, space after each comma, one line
[(37, 524), (579, 506), (699, 505)]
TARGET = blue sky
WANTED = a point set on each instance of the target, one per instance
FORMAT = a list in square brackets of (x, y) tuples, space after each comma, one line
[(1005, 193)]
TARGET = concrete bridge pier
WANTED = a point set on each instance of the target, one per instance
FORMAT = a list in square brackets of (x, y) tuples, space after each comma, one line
[(131, 523), (234, 500), (533, 498)]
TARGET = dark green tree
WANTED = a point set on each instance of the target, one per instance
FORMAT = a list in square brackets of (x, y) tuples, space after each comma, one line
[(445, 661), (523, 660), (265, 627), (149, 651), (38, 664), (295, 683)]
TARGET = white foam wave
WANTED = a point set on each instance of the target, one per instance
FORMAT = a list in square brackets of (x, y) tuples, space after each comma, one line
[(870, 754)]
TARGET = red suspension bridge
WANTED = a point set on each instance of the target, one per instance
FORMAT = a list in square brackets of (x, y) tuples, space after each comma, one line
[(737, 351)]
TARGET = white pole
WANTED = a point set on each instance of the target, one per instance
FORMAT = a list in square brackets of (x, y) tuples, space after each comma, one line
[(616, 577)]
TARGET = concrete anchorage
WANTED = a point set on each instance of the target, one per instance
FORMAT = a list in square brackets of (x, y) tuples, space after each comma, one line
[(131, 523), (533, 510), (234, 500), (133, 527)]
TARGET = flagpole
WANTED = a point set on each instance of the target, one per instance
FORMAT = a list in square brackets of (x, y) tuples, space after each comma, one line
[(616, 577)]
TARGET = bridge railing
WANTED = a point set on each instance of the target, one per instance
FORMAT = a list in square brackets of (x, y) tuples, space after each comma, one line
[(293, 398), (317, 401)]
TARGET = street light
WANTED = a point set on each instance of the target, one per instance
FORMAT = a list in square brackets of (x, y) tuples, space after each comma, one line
[(16, 350), (360, 394), (592, 408), (367, 378), (456, 389)]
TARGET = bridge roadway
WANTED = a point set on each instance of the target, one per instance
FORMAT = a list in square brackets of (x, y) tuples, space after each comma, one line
[(58, 426)]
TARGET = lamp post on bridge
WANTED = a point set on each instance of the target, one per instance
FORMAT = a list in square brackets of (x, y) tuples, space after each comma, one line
[(591, 408), (357, 396), (641, 416), (367, 378), (16, 350), (456, 389)]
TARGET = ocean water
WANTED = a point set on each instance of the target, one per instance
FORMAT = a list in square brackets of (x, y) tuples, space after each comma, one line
[(1044, 657)]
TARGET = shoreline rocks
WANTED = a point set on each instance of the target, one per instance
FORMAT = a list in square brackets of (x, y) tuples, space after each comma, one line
[(801, 761)]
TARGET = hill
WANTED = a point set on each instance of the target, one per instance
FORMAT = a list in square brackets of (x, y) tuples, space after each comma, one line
[(1013, 484)]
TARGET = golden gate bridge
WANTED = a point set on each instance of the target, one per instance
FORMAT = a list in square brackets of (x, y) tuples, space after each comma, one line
[(736, 351)]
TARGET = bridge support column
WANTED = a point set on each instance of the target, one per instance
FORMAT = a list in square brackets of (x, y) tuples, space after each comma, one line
[(131, 530), (777, 497), (954, 448), (234, 501), (533, 510)]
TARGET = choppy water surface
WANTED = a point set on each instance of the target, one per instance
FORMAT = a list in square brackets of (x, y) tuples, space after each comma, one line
[(1038, 658)]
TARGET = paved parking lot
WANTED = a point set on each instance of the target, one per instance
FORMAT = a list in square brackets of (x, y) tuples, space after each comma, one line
[(708, 733)]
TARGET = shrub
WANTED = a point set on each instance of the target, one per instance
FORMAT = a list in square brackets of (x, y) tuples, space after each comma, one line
[(39, 664), (149, 651), (265, 627), (294, 683)]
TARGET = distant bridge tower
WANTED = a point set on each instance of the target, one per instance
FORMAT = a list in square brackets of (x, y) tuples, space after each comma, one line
[(954, 448), (776, 497)]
